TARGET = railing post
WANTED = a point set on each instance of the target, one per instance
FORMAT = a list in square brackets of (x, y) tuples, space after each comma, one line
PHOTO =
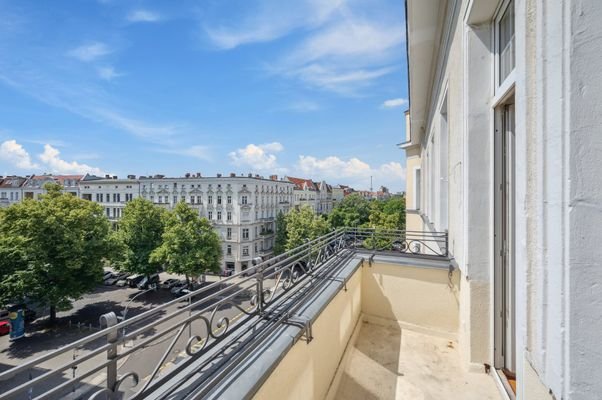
[(446, 243), (259, 279), (106, 321)]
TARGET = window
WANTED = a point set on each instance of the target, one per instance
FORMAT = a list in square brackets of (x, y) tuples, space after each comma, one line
[(245, 233), (245, 251), (229, 216), (244, 200), (209, 199), (229, 250), (210, 215), (175, 199), (219, 200), (505, 42), (219, 215), (160, 199), (255, 248), (229, 199), (229, 233)]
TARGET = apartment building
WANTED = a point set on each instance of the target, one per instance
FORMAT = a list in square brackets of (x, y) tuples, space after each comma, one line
[(242, 209), (11, 190), (503, 152), (316, 195)]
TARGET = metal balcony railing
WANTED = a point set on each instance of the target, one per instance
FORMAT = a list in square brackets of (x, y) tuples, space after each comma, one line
[(265, 295)]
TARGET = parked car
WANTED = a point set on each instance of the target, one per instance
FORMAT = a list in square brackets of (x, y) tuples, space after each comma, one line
[(134, 280), (147, 281), (106, 274), (114, 278), (176, 290), (4, 327), (170, 283)]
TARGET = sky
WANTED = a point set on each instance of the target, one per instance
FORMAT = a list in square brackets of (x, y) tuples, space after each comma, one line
[(305, 88)]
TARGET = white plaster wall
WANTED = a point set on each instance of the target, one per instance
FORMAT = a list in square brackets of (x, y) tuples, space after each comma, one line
[(559, 192)]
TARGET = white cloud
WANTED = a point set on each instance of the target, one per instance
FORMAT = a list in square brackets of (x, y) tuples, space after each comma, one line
[(90, 52), (259, 157), (352, 171), (270, 20), (143, 16), (51, 158), (135, 126), (108, 73), (13, 153), (392, 103)]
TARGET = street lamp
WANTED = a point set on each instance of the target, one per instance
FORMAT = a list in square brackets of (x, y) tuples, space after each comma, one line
[(124, 313)]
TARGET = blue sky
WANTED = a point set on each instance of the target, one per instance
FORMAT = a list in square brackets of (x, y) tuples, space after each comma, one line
[(309, 88)]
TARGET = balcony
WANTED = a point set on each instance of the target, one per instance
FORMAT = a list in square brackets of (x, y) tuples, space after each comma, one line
[(372, 314)]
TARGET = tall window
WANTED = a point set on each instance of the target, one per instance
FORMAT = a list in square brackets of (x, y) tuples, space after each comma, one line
[(245, 233), (229, 233), (229, 216), (210, 215), (245, 251), (219, 199), (229, 199), (505, 42), (229, 250), (210, 199), (219, 215), (244, 200)]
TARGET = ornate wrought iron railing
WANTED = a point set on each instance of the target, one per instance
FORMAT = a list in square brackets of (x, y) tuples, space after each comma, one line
[(263, 296)]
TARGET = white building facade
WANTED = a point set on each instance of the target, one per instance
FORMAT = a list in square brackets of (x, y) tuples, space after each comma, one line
[(242, 209), (504, 154)]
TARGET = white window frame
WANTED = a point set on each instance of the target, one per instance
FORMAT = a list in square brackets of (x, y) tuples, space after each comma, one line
[(501, 87)]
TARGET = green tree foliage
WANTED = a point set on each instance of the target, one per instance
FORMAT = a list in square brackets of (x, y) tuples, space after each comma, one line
[(352, 211), (281, 234), (387, 214), (190, 244), (303, 224), (52, 250), (140, 233)]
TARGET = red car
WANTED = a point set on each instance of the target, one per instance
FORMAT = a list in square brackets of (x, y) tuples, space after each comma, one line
[(4, 327)]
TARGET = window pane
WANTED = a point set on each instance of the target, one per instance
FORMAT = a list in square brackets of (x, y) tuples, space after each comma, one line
[(506, 42)]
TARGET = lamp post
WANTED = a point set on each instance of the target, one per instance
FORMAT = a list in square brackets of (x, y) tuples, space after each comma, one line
[(124, 313)]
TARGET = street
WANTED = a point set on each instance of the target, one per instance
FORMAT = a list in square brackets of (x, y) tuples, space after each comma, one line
[(81, 321)]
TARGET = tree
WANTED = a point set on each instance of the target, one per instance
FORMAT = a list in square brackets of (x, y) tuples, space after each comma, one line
[(190, 245), (303, 224), (52, 251), (352, 211), (140, 233), (281, 234)]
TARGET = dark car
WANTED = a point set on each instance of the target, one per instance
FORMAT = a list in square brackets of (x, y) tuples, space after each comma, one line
[(147, 281), (134, 280), (170, 283), (177, 289)]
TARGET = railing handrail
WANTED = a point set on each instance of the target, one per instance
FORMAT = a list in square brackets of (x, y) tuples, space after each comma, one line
[(311, 254)]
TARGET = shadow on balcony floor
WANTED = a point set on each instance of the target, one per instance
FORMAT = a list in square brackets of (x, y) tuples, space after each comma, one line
[(389, 362)]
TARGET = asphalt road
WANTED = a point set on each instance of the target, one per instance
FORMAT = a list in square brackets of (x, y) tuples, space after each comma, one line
[(86, 312)]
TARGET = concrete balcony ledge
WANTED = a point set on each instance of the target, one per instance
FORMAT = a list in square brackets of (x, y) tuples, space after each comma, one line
[(385, 329)]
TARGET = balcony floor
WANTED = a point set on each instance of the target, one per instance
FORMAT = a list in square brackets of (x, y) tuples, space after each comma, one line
[(395, 363)]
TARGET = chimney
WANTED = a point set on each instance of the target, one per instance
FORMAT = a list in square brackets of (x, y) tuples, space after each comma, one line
[(274, 177), (131, 176), (198, 175), (107, 176), (187, 175), (114, 176), (232, 175), (219, 175), (250, 175)]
